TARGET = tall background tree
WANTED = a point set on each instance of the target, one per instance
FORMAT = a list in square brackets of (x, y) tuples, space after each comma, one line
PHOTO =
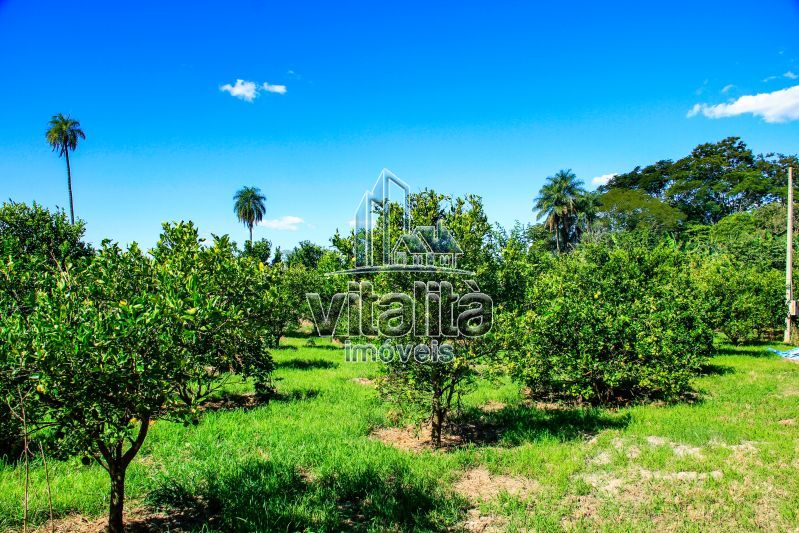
[(63, 136), (249, 206), (558, 201)]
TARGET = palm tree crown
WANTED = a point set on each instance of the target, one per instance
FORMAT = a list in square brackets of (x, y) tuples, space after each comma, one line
[(249, 206), (63, 135), (558, 201)]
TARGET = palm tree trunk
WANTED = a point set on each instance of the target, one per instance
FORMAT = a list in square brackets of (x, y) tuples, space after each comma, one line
[(250, 226), (557, 234), (69, 186)]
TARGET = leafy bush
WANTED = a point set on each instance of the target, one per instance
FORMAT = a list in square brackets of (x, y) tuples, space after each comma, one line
[(615, 320), (745, 302), (152, 336), (33, 242)]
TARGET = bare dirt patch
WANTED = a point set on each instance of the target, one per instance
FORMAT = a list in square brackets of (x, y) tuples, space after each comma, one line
[(683, 450), (602, 458), (492, 406), (137, 520), (604, 481), (585, 509), (680, 450), (681, 476), (478, 484), (366, 382), (480, 523), (414, 439), (456, 433), (632, 451)]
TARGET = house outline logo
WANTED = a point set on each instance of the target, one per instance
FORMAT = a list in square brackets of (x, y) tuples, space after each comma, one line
[(416, 249)]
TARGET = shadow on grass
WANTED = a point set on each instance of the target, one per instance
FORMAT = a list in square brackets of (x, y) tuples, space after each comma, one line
[(748, 350), (712, 369), (306, 364), (251, 400), (268, 496), (514, 425)]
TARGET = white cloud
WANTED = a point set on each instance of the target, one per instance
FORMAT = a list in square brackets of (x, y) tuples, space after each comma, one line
[(777, 106), (351, 222), (727, 88), (286, 223), (244, 90), (279, 89), (789, 75), (603, 179), (249, 90)]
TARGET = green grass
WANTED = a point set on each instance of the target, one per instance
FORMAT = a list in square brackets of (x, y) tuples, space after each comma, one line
[(727, 461)]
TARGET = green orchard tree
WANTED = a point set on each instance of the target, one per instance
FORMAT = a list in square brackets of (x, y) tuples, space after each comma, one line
[(152, 338), (620, 318), (34, 242), (434, 362)]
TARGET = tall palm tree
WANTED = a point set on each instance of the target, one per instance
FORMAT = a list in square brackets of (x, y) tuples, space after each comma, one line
[(249, 206), (557, 200), (63, 136)]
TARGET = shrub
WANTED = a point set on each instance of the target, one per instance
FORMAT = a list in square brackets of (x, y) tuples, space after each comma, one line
[(152, 337), (745, 302), (615, 320), (33, 242)]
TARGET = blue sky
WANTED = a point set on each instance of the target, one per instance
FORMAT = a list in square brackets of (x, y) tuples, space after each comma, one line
[(486, 98)]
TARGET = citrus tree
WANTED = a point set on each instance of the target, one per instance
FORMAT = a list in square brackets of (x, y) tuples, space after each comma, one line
[(132, 338), (34, 241), (617, 319)]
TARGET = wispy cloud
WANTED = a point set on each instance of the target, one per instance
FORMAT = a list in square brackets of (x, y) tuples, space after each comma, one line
[(286, 223), (789, 75), (245, 90), (249, 90), (777, 106), (701, 89), (727, 88), (603, 179), (279, 89)]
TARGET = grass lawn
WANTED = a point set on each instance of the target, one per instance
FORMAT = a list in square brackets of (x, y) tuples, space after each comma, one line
[(306, 461)]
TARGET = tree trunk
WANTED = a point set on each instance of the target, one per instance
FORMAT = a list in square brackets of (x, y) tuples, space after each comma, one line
[(557, 235), (115, 522), (69, 186), (116, 465), (437, 420), (250, 226)]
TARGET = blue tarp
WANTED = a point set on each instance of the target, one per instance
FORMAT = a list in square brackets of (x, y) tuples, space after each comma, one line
[(787, 354)]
